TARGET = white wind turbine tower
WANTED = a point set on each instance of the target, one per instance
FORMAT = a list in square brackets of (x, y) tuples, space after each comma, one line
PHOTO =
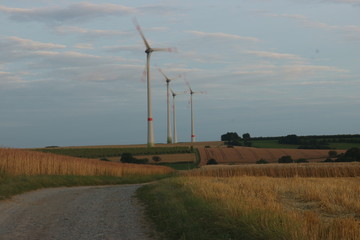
[(174, 94), (168, 80), (192, 111), (148, 51)]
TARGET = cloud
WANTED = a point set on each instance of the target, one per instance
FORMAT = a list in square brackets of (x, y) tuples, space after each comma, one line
[(74, 12), (10, 78), (295, 72), (84, 46), (27, 44), (220, 35), (275, 55), (351, 31), (89, 32)]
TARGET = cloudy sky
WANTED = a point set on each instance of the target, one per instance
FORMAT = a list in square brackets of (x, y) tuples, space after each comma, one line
[(71, 72)]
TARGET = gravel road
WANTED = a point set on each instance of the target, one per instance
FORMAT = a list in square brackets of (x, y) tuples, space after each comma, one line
[(104, 213)]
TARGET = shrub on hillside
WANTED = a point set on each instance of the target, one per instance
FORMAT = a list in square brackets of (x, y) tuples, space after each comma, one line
[(128, 158), (156, 159), (262, 161), (332, 154), (351, 155), (301, 160), (285, 159), (211, 162)]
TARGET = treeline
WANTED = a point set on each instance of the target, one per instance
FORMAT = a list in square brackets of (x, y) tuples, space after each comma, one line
[(317, 142), (233, 139), (345, 138), (114, 152)]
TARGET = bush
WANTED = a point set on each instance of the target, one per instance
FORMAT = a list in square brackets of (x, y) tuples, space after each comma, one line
[(211, 162), (302, 160), (262, 161), (285, 159), (329, 160), (351, 155), (332, 154), (104, 159), (156, 159), (127, 158)]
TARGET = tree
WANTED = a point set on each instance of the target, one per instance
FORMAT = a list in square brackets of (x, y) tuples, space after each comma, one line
[(246, 136), (229, 136), (351, 155), (127, 158), (156, 159), (285, 159)]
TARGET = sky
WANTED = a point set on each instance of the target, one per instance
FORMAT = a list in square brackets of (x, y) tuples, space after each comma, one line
[(71, 72)]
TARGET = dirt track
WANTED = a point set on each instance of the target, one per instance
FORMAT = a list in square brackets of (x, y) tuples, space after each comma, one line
[(106, 212)]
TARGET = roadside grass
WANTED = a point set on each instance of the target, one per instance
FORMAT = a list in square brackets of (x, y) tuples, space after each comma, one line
[(178, 214), (13, 185)]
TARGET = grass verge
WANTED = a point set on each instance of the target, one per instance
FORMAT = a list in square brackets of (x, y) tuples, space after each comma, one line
[(13, 185), (178, 214)]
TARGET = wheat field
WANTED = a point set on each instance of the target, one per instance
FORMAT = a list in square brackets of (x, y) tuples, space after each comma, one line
[(280, 170), (21, 162), (295, 208)]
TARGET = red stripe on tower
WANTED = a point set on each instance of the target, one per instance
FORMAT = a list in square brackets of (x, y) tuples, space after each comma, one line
[(150, 119), (193, 136)]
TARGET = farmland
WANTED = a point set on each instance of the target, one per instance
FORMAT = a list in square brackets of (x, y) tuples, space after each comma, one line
[(22, 170), (101, 152), (244, 155), (274, 201)]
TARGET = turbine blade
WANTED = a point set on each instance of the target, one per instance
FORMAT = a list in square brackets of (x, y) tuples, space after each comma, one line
[(199, 92), (172, 92), (164, 49), (166, 78), (138, 28)]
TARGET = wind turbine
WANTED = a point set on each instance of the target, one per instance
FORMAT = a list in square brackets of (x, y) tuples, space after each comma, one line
[(148, 51), (168, 80), (174, 94), (192, 111)]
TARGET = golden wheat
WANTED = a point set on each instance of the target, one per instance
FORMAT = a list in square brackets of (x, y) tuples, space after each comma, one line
[(305, 208), (282, 170), (22, 162)]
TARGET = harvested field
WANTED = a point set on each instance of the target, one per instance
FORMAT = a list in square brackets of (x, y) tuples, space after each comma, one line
[(244, 155)]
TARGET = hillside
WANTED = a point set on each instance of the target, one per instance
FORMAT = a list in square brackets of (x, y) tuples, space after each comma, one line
[(242, 155)]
